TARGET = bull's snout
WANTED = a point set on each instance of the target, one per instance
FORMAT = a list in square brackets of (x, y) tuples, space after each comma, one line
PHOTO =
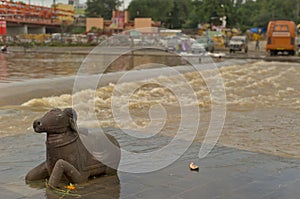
[(37, 126)]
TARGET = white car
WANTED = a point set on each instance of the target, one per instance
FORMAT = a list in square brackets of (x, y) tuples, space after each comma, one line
[(198, 48)]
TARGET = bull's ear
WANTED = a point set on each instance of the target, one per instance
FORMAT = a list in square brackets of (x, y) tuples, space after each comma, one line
[(73, 124), (72, 118)]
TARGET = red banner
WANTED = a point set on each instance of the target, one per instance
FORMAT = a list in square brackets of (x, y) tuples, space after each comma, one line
[(2, 27), (118, 20)]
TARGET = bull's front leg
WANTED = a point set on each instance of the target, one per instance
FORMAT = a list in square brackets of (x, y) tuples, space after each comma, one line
[(39, 172), (61, 168)]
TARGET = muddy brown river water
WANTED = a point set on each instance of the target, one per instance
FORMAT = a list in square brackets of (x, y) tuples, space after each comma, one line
[(262, 101)]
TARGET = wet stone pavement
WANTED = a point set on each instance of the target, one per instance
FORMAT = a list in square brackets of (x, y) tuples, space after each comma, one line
[(224, 173)]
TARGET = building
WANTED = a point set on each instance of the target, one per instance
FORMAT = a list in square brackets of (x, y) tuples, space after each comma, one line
[(97, 23), (64, 13), (120, 22), (21, 18), (140, 23)]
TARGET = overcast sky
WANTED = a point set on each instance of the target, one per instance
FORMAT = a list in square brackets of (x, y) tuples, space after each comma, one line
[(49, 2)]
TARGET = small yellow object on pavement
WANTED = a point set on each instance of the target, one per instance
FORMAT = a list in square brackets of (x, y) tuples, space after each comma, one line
[(194, 167), (70, 187)]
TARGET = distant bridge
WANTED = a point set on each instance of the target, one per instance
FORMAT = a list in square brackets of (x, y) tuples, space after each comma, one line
[(26, 18)]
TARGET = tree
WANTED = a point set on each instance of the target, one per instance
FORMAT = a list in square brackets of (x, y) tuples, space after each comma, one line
[(155, 9), (101, 8), (243, 14), (172, 13), (196, 14)]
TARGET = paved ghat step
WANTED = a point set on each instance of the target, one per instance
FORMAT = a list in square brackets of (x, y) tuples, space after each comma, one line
[(224, 173)]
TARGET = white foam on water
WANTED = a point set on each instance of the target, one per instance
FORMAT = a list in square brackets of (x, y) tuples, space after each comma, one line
[(248, 86)]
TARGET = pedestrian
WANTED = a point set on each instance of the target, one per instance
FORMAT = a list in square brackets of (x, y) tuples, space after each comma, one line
[(4, 49), (257, 45)]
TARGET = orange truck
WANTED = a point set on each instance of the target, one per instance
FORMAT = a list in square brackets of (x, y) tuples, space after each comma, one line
[(281, 37)]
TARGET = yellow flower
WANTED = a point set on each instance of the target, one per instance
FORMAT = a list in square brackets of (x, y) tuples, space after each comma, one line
[(70, 187)]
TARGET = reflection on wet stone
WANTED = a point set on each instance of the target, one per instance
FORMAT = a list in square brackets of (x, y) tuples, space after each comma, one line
[(224, 173)]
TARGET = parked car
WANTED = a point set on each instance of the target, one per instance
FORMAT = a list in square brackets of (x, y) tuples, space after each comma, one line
[(174, 44), (197, 48), (238, 43), (281, 36), (206, 43)]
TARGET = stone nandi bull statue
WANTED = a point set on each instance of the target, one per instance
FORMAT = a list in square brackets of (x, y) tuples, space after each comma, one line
[(67, 156)]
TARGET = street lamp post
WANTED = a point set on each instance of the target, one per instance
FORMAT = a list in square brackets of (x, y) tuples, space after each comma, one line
[(170, 20), (223, 18)]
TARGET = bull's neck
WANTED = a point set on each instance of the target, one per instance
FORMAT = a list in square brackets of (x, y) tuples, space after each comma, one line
[(61, 139)]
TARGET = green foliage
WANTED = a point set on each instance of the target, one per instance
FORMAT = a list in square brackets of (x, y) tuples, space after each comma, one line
[(95, 30), (101, 8), (156, 9), (172, 13), (242, 14), (77, 30)]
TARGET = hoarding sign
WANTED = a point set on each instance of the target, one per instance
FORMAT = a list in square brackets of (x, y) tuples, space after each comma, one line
[(2, 27)]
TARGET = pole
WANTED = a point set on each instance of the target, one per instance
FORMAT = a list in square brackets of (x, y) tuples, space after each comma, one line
[(297, 14), (54, 4)]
